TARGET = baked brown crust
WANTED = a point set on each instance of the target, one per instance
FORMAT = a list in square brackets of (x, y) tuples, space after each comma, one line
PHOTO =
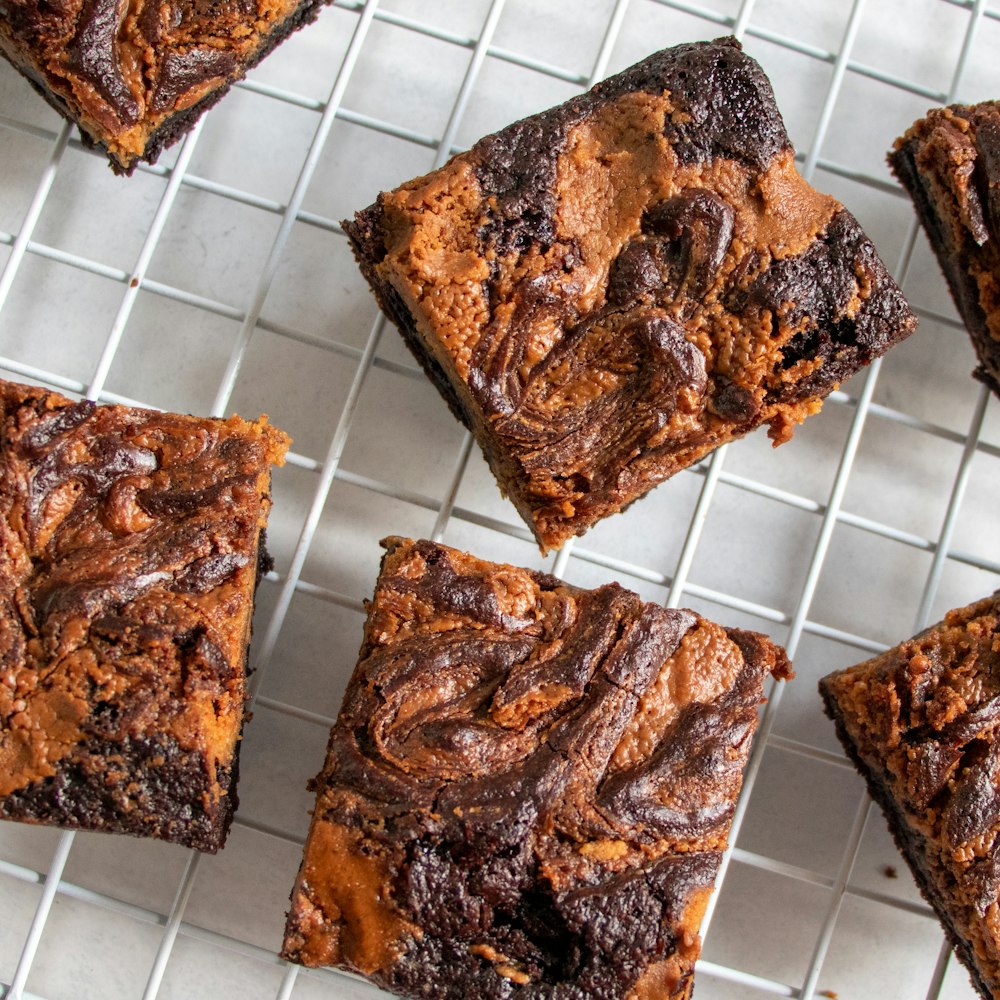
[(921, 723), (130, 548), (609, 290), (528, 787), (135, 77), (949, 163)]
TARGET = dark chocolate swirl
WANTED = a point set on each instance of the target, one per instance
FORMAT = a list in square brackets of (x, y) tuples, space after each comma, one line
[(85, 491), (481, 736)]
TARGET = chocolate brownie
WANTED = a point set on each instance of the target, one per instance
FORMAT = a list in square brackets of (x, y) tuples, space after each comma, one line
[(528, 787), (922, 724), (949, 163), (609, 290), (130, 547), (135, 77)]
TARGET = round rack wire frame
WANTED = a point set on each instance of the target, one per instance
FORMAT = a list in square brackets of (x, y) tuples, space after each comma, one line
[(837, 887)]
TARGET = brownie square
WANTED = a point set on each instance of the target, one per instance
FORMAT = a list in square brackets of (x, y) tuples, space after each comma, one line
[(130, 548), (949, 163), (528, 789), (922, 724), (135, 77), (607, 291)]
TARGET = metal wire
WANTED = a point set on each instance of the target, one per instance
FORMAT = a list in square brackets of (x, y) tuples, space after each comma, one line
[(680, 587)]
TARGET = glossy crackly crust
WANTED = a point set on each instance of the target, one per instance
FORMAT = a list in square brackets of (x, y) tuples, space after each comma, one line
[(949, 163), (922, 724), (130, 547), (136, 76), (528, 787), (609, 290)]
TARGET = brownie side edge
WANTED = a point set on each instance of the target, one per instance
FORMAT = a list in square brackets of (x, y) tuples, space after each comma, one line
[(364, 233), (153, 775), (908, 844), (960, 283), (178, 124)]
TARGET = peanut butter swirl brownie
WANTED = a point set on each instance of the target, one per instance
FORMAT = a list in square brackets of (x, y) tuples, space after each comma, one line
[(131, 548), (922, 724), (949, 163), (528, 787), (135, 76), (609, 290)]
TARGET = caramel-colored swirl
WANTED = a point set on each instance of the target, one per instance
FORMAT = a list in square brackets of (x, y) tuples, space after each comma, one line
[(122, 67), (531, 755), (130, 543), (607, 291)]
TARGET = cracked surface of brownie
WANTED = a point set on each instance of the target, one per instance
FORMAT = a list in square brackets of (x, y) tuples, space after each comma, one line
[(528, 787), (130, 547), (609, 290), (949, 163), (135, 76), (922, 724)]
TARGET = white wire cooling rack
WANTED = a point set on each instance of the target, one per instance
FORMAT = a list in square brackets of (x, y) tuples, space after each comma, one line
[(220, 280)]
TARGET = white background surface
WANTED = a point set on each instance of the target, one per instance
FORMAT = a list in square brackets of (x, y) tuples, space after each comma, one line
[(828, 544)]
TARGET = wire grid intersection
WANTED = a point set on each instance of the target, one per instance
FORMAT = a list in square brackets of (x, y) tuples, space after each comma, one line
[(252, 320)]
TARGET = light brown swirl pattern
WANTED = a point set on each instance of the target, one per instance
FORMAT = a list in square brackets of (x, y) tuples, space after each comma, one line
[(528, 785), (610, 289), (134, 75), (129, 552), (921, 722)]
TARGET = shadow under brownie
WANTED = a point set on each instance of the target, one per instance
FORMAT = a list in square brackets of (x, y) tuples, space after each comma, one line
[(605, 292), (130, 549), (528, 788)]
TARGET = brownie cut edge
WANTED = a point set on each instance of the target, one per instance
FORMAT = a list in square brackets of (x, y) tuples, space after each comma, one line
[(949, 164), (135, 78), (921, 724), (528, 788)]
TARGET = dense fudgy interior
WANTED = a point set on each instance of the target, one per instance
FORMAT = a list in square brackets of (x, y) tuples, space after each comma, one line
[(130, 554), (528, 788), (921, 722), (609, 290), (136, 76), (949, 162)]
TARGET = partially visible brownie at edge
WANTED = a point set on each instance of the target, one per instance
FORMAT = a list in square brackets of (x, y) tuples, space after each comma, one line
[(921, 723), (528, 787), (608, 290), (130, 549), (949, 163), (135, 77)]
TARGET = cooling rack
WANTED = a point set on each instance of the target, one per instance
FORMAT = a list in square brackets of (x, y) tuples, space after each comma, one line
[(219, 280)]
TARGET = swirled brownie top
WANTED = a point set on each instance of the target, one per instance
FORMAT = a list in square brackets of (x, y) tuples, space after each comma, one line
[(129, 553), (528, 787), (922, 724), (949, 162), (610, 289), (134, 76)]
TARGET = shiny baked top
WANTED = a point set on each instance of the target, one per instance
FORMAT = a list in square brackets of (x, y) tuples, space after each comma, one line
[(614, 287), (128, 560), (122, 69), (527, 784)]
